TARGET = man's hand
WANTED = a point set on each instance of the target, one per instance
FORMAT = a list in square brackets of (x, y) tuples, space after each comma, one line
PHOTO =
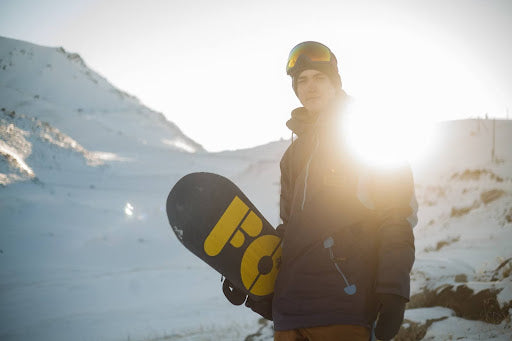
[(233, 295), (238, 297), (280, 230), (390, 317), (263, 307)]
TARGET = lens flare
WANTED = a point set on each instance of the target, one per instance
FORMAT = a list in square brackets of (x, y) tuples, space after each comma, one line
[(386, 138), (128, 209)]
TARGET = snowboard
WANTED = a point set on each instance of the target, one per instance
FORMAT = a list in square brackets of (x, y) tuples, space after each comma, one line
[(214, 220)]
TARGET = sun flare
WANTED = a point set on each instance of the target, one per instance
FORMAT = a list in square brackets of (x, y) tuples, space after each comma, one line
[(387, 138)]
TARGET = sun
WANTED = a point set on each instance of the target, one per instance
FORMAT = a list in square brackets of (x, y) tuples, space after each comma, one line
[(386, 138)]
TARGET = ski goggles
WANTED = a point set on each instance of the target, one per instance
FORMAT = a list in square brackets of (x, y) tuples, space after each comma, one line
[(312, 50)]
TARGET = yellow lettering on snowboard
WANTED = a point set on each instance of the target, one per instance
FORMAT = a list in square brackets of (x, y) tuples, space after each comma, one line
[(226, 228), (236, 222), (257, 283)]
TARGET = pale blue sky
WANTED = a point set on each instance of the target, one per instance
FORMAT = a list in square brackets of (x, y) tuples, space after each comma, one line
[(216, 68)]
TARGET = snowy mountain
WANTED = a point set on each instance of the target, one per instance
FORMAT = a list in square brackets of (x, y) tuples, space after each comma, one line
[(86, 251), (461, 281), (59, 91)]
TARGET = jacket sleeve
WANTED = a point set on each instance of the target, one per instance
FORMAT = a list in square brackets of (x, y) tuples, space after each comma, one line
[(397, 208)]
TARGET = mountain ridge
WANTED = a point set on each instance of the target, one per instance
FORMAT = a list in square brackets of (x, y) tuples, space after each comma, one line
[(58, 87)]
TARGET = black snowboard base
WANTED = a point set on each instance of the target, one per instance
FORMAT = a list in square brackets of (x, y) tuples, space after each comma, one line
[(213, 219)]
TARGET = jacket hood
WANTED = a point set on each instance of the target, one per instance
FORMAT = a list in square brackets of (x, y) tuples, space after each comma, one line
[(302, 120)]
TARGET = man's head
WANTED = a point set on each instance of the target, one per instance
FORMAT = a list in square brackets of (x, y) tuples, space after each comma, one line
[(315, 90), (312, 56)]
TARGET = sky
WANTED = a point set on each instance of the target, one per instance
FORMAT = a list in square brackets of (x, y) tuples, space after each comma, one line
[(217, 68)]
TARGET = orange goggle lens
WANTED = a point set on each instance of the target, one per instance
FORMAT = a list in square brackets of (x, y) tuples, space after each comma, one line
[(316, 52)]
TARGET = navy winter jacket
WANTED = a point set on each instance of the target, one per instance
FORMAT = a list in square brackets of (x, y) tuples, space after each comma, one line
[(347, 229)]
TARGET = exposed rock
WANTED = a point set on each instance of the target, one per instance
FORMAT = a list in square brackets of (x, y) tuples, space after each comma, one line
[(482, 305), (489, 196), (460, 211), (475, 175)]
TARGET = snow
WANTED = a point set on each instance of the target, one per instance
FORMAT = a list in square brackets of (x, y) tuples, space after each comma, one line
[(422, 315), (455, 328), (58, 88), (505, 295), (87, 252)]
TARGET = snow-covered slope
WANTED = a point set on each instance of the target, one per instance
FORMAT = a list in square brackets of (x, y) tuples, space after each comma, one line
[(466, 144), (29, 146), (58, 88), (86, 251)]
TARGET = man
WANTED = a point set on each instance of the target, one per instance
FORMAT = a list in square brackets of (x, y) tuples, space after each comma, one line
[(347, 241)]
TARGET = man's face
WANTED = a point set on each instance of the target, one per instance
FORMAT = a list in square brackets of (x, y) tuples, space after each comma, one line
[(315, 90)]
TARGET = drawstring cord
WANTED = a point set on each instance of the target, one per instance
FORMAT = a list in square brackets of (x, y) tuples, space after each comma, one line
[(350, 289)]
